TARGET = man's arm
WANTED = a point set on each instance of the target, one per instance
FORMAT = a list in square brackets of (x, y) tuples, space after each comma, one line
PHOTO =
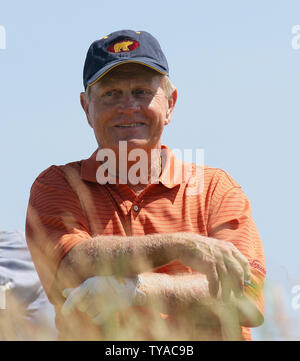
[(128, 256), (220, 261), (188, 296), (184, 297), (117, 255)]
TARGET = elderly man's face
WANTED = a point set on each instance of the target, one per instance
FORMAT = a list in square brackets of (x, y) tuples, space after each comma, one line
[(129, 104)]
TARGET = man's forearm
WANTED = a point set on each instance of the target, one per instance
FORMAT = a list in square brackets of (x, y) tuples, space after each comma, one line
[(188, 296), (174, 293), (119, 255)]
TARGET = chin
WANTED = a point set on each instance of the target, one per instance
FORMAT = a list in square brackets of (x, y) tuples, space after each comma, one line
[(132, 144), (135, 143), (142, 144)]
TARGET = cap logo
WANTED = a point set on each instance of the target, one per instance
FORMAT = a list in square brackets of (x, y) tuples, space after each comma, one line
[(123, 46)]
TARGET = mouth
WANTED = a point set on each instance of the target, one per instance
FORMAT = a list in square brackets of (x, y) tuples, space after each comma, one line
[(130, 125)]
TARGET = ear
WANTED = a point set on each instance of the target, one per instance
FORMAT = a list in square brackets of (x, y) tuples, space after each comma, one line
[(171, 104), (85, 107)]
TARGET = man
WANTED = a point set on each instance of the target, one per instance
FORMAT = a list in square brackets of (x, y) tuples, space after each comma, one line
[(25, 311), (133, 243)]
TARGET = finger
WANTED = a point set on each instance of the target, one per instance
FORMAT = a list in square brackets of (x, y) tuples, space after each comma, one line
[(213, 280), (83, 305), (91, 303), (73, 299), (244, 263), (236, 274), (224, 280), (92, 306), (67, 291)]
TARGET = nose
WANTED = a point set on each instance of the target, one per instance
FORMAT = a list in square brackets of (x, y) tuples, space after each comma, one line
[(129, 105)]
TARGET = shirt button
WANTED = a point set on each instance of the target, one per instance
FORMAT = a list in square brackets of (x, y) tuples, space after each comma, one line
[(136, 208)]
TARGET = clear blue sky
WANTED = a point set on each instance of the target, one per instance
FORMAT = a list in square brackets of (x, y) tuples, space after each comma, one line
[(238, 79)]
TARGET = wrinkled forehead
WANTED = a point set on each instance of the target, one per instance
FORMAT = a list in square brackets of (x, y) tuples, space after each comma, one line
[(128, 72)]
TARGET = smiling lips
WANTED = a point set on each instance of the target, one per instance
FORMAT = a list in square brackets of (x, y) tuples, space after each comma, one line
[(131, 125)]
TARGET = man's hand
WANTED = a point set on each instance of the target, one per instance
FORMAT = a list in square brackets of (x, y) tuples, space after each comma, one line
[(221, 262), (100, 297)]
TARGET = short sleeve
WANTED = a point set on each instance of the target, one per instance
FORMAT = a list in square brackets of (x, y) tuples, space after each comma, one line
[(230, 219), (55, 222)]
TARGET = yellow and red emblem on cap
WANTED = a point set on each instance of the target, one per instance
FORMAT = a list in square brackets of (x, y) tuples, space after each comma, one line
[(123, 46)]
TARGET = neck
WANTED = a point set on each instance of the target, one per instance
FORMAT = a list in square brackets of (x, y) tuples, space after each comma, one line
[(140, 168)]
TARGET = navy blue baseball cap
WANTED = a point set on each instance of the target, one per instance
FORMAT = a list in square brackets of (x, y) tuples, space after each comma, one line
[(119, 47)]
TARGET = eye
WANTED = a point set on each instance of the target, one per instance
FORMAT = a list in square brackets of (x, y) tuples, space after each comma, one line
[(110, 93), (142, 92)]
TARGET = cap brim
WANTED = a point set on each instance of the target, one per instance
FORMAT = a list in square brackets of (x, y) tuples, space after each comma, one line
[(100, 74)]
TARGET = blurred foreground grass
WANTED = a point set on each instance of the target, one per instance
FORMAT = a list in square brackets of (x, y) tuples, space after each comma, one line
[(281, 322)]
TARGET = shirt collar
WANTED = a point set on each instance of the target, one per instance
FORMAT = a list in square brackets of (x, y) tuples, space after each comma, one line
[(171, 175)]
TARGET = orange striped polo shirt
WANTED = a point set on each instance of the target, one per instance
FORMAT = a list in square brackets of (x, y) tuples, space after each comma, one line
[(67, 206)]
